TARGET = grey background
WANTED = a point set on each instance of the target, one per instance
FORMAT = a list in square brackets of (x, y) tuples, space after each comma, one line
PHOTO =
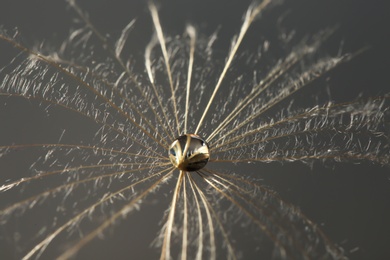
[(350, 202)]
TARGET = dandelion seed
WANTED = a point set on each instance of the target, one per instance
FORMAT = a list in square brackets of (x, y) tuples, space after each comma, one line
[(147, 133)]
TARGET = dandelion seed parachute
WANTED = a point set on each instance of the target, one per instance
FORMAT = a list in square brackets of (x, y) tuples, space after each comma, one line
[(119, 178)]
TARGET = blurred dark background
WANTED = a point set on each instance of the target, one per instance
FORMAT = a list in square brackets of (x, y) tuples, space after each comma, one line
[(351, 202)]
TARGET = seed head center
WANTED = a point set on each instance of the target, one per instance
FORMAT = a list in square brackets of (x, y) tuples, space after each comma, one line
[(189, 152)]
